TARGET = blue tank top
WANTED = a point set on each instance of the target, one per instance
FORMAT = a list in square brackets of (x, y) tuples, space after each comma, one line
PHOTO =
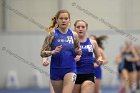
[(85, 65), (65, 58)]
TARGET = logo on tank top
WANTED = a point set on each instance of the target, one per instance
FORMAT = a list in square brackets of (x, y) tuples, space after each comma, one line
[(69, 40), (89, 47)]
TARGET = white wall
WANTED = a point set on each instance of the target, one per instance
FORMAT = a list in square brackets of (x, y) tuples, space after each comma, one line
[(39, 10), (110, 10), (123, 14), (26, 46), (1, 15), (136, 14)]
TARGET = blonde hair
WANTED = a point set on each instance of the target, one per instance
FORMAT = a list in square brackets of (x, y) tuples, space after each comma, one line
[(80, 21)]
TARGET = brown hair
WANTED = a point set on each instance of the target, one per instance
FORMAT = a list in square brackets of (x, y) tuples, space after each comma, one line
[(54, 23), (99, 40), (79, 21)]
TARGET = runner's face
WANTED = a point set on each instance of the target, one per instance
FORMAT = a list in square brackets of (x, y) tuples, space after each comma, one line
[(63, 20), (81, 28)]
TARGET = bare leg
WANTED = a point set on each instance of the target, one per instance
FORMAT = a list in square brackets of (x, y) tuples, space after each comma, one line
[(121, 83), (77, 88), (87, 87), (97, 85), (68, 83), (127, 81), (133, 79), (138, 79), (57, 86), (51, 88)]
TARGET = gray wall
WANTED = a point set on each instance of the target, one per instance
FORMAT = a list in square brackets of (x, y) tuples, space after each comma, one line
[(21, 52), (1, 16), (22, 24), (124, 14)]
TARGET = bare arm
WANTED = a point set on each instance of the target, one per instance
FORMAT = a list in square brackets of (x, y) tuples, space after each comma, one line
[(96, 50), (77, 44), (46, 48), (103, 56), (135, 58)]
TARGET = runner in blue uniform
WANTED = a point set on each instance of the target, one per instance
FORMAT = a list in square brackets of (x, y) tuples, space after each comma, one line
[(98, 69), (85, 67), (62, 45)]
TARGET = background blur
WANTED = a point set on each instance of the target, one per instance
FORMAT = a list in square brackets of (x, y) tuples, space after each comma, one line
[(22, 32)]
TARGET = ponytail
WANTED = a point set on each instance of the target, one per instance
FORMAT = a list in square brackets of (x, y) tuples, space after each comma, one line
[(99, 40), (53, 25)]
